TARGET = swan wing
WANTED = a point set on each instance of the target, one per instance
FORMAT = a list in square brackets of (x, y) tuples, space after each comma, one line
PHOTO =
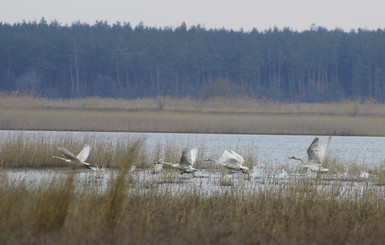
[(83, 155), (189, 157), (184, 160), (193, 154), (233, 165), (68, 154), (240, 159), (312, 151), (323, 149), (227, 157), (315, 167), (228, 160)]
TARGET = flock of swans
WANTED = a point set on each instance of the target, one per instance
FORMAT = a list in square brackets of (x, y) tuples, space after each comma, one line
[(229, 160)]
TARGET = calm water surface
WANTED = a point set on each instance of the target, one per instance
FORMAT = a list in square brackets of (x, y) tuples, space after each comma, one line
[(267, 148)]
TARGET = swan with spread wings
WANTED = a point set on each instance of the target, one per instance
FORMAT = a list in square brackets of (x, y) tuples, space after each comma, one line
[(316, 156), (232, 161), (81, 158), (186, 162)]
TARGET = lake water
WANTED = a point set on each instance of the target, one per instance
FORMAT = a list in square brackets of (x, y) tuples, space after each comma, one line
[(269, 149)]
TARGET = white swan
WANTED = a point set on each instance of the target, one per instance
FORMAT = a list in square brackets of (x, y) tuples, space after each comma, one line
[(316, 156), (185, 163), (79, 159), (232, 161)]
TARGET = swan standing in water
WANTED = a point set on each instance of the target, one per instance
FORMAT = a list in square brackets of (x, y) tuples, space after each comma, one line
[(79, 159), (232, 161), (316, 156), (185, 163)]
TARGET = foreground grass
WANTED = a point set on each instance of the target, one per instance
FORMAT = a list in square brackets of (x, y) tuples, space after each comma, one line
[(298, 212), (217, 115)]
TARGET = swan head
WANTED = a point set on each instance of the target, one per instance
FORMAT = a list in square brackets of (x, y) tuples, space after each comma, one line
[(294, 158), (245, 169), (160, 161)]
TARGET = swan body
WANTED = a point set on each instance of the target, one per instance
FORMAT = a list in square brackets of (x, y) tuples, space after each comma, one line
[(81, 158), (186, 162), (316, 156), (232, 161)]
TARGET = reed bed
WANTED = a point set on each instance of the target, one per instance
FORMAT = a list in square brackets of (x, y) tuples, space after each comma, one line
[(216, 115), (295, 212)]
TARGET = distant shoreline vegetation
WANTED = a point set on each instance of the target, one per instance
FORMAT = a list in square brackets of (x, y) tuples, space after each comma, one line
[(186, 115), (122, 61)]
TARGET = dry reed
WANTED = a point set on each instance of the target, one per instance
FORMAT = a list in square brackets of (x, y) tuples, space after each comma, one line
[(289, 213)]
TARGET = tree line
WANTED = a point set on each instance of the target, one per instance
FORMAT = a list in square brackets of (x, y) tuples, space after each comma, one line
[(119, 60)]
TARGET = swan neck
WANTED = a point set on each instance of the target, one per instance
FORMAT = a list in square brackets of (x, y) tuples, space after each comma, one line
[(60, 158), (299, 159), (170, 164)]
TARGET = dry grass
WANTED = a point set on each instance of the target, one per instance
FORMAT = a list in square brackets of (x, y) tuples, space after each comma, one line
[(296, 212), (217, 115)]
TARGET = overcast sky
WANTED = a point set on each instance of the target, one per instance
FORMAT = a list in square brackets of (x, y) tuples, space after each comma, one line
[(231, 14)]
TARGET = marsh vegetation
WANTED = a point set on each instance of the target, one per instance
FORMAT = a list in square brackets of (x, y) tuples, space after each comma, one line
[(273, 204), (166, 207)]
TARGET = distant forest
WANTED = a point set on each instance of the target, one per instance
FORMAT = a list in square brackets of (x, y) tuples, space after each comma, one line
[(119, 60)]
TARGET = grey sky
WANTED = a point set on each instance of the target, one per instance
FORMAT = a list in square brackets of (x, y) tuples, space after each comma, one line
[(233, 14)]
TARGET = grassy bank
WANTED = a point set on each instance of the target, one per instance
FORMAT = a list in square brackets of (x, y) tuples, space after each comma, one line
[(214, 105), (217, 115), (170, 121)]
